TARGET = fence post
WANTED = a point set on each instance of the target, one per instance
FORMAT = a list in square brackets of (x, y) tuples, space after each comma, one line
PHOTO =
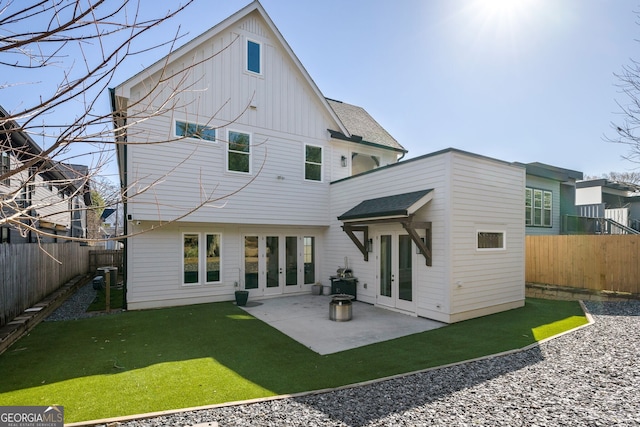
[(107, 292)]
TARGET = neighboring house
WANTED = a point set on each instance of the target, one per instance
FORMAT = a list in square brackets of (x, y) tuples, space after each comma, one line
[(266, 185), (50, 197), (617, 203), (549, 198)]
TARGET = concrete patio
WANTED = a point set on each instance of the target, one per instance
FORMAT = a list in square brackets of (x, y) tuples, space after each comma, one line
[(305, 318)]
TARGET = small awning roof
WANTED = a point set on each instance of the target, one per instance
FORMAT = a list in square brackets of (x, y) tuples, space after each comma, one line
[(396, 206)]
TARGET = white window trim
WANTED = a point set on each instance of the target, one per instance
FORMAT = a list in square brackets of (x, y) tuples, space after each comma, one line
[(182, 236), (246, 56), (181, 137), (202, 258), (304, 163), (486, 230), (250, 153), (542, 214)]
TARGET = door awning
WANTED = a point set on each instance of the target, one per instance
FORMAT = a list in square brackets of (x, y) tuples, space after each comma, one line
[(399, 208), (388, 207)]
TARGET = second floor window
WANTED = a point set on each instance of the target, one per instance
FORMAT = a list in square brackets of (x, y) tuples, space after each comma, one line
[(253, 57), (193, 130), (5, 167), (312, 163), (239, 152)]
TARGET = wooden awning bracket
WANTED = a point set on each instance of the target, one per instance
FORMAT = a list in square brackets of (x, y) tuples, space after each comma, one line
[(361, 245), (424, 246)]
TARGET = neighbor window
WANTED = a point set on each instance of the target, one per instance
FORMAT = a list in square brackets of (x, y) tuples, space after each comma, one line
[(538, 207), (491, 240), (201, 262), (4, 235), (239, 152), (193, 130), (313, 163), (5, 167), (253, 57)]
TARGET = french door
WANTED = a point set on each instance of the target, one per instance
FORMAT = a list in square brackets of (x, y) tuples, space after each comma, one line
[(395, 271), (273, 264)]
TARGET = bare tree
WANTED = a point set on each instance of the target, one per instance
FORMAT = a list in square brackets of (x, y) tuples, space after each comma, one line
[(628, 129), (621, 177), (70, 51)]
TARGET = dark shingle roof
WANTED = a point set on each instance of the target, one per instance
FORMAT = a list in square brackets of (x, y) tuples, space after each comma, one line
[(396, 205), (361, 126)]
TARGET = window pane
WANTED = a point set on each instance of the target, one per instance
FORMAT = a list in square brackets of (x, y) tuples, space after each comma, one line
[(253, 56), (192, 130), (313, 154), (385, 265), (239, 142), (313, 163), (547, 208), (181, 129), (490, 240), (251, 262), (208, 133), (313, 172), (405, 286), (239, 162), (291, 249), (309, 260), (191, 258), (273, 261), (239, 152), (213, 257)]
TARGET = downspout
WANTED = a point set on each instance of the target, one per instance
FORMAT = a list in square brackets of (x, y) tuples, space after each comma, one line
[(123, 186)]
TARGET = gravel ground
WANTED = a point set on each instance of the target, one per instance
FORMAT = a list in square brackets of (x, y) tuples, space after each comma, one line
[(590, 377), (75, 307)]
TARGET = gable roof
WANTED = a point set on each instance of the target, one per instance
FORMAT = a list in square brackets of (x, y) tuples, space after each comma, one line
[(398, 205), (362, 127), (253, 7)]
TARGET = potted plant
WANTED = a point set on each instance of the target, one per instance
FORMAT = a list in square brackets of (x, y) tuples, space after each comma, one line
[(241, 298)]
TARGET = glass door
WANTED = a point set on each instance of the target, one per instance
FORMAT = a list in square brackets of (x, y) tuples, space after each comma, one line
[(273, 264), (395, 275), (274, 269)]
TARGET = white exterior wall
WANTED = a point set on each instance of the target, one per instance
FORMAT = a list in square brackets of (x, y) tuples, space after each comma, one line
[(540, 183), (155, 275), (588, 196), (287, 115), (432, 296), (469, 193), (486, 195)]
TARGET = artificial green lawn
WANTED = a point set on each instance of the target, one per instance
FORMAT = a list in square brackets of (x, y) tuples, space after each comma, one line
[(145, 361)]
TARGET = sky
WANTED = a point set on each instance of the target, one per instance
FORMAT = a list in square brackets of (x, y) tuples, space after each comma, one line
[(517, 80)]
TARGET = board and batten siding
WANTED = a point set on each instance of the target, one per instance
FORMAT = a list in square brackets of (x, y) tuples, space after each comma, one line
[(486, 195), (278, 108), (539, 183)]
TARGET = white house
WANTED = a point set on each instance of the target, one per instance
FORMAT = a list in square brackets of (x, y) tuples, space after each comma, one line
[(240, 174), (44, 202)]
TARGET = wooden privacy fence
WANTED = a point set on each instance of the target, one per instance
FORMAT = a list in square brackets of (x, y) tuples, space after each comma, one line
[(105, 258), (29, 272), (594, 262)]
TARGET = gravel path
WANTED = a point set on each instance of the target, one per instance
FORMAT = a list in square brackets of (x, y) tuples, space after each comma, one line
[(75, 307), (590, 377)]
